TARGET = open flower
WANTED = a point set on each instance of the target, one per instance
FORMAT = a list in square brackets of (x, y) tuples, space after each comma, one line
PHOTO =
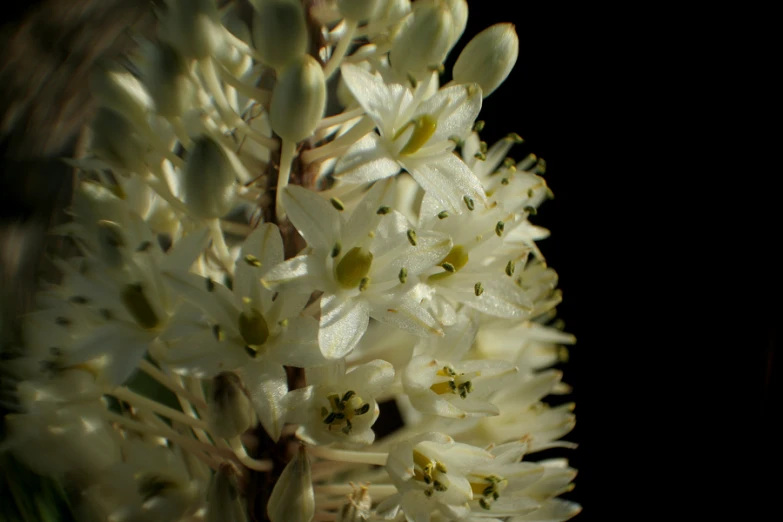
[(414, 134), (339, 406), (361, 264)]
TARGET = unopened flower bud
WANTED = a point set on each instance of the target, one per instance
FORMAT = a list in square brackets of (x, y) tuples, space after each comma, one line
[(168, 83), (208, 179), (459, 12), (223, 501), (293, 499), (358, 9), (115, 142), (279, 31), (424, 41), (195, 27), (230, 410), (121, 92), (488, 58), (298, 99)]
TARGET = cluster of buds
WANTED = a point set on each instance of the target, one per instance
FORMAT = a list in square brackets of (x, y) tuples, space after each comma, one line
[(286, 226)]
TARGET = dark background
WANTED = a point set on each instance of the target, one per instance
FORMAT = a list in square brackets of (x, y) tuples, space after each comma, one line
[(666, 249)]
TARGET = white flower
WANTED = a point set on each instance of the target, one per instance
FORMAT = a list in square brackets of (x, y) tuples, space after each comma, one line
[(339, 406), (415, 135), (362, 265), (430, 472), (439, 382)]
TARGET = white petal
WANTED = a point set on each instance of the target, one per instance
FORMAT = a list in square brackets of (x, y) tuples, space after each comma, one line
[(267, 384), (298, 344), (367, 160), (265, 245), (408, 315), (365, 217), (380, 100), (372, 378), (215, 299), (456, 110), (314, 217), (448, 180), (299, 268), (343, 322), (185, 251)]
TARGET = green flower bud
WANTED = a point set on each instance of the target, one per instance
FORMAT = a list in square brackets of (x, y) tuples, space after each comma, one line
[(298, 99), (115, 142), (195, 26), (424, 41), (230, 410), (459, 12), (279, 31), (488, 58), (208, 179), (223, 501), (168, 83), (358, 9), (353, 267)]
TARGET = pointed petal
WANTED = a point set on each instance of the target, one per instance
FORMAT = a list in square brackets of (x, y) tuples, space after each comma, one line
[(457, 108), (372, 378), (298, 344), (365, 217), (262, 251), (448, 180), (267, 384), (216, 300), (343, 322), (314, 217), (367, 160), (185, 251), (382, 101)]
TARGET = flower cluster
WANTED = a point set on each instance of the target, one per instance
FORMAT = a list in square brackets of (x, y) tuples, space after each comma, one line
[(289, 221)]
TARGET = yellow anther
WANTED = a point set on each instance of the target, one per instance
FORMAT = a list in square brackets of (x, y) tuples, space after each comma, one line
[(253, 327)]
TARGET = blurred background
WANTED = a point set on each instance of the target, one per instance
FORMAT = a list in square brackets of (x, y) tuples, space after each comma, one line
[(581, 95)]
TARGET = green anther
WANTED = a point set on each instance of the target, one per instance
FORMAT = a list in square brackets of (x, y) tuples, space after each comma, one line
[(510, 268), (443, 214), (457, 141), (516, 138), (530, 192), (478, 289), (110, 240), (251, 352), (469, 202), (210, 284), (217, 331), (253, 327), (423, 128), (330, 418), (479, 126), (504, 181), (62, 321), (480, 156), (403, 275), (411, 236), (353, 267), (509, 163), (137, 304), (440, 69), (440, 467), (439, 486), (531, 210), (336, 203), (336, 249), (382, 211), (457, 257), (347, 428), (283, 323), (483, 503), (488, 490), (448, 267), (483, 147), (499, 228), (78, 299), (364, 283), (144, 246), (364, 408), (252, 260)]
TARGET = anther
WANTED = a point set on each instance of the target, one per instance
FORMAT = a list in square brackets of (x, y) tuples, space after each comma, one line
[(382, 211), (499, 228), (403, 275), (478, 289), (336, 203), (448, 267), (443, 214), (469, 202), (210, 284), (252, 260), (479, 126), (411, 236), (510, 268), (336, 249)]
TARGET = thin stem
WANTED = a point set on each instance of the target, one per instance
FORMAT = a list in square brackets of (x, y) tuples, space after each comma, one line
[(375, 490), (179, 390), (139, 401), (247, 460), (260, 95), (376, 459), (339, 118), (286, 158), (340, 144), (341, 49), (221, 249), (193, 446)]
